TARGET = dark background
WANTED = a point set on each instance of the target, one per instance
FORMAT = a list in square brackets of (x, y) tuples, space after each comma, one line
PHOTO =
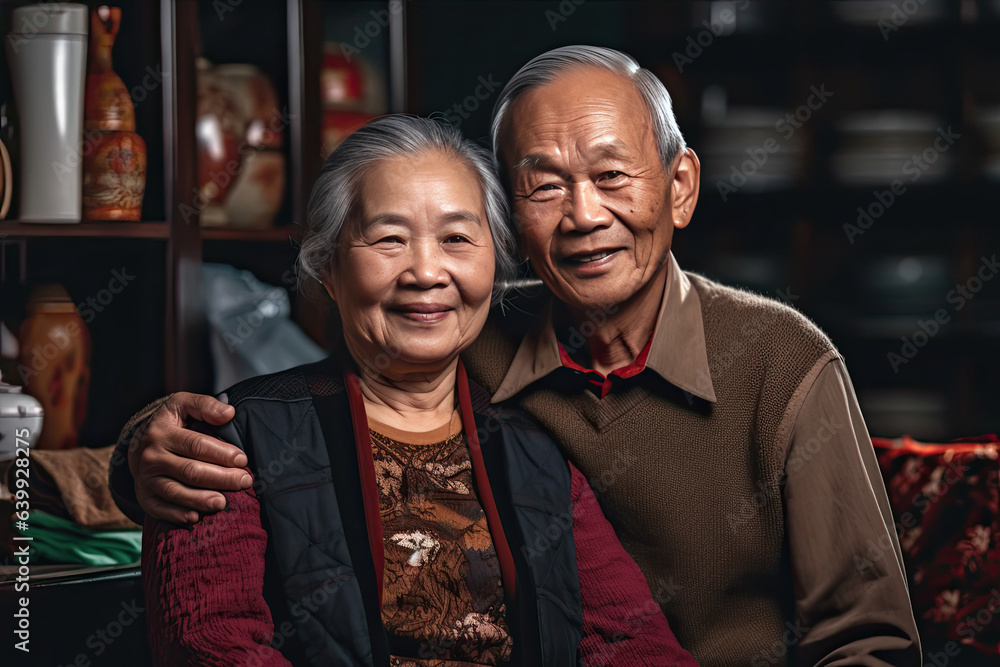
[(782, 233)]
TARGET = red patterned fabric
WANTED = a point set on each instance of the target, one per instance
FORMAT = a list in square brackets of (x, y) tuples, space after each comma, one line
[(945, 503)]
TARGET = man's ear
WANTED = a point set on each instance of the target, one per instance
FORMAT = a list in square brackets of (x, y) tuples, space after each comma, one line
[(685, 187)]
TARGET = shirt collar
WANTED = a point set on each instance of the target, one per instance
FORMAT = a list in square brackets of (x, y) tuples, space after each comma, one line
[(677, 352)]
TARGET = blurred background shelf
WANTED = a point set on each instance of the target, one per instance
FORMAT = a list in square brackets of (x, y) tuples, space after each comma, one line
[(275, 234), (109, 229)]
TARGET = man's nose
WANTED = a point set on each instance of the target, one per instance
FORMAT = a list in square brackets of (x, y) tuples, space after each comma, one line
[(585, 210), (428, 265)]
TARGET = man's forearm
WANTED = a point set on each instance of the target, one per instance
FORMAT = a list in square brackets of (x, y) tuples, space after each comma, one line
[(851, 593), (120, 479)]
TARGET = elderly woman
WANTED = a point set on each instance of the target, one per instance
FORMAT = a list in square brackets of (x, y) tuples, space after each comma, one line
[(396, 518)]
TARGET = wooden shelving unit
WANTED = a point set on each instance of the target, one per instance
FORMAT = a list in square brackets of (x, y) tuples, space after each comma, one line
[(13, 229)]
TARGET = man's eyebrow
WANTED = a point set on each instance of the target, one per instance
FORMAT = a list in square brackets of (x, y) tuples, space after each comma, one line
[(534, 161)]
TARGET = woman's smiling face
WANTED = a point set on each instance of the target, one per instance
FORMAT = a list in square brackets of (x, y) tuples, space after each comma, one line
[(413, 275)]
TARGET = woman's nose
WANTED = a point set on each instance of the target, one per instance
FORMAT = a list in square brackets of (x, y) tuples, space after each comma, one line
[(428, 266)]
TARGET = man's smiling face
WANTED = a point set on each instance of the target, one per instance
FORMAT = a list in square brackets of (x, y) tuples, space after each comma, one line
[(590, 195)]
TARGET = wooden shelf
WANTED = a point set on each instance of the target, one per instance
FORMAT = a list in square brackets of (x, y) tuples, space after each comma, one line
[(275, 234), (108, 229)]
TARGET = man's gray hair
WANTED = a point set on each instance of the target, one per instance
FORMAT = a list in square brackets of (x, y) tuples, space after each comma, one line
[(541, 70), (334, 195)]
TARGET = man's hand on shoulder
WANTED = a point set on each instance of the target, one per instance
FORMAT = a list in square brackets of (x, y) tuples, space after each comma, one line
[(180, 472)]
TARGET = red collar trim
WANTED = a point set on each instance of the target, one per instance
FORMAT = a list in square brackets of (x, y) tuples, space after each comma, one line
[(504, 554), (599, 379)]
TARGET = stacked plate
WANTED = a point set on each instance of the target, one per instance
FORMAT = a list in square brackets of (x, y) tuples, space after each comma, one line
[(878, 147), (6, 181), (988, 120)]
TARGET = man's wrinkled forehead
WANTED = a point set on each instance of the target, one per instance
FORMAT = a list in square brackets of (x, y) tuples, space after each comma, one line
[(577, 93), (611, 149)]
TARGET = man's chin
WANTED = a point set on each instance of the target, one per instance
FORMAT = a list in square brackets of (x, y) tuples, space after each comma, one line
[(591, 301)]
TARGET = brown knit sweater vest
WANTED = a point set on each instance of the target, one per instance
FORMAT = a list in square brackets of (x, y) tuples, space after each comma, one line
[(694, 490)]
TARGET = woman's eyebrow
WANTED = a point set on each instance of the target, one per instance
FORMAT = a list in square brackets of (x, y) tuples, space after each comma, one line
[(385, 219), (462, 215)]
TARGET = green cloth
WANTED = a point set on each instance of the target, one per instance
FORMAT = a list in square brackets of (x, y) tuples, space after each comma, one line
[(63, 541)]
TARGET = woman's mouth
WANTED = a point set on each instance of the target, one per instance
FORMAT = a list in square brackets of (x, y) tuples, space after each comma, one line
[(423, 312)]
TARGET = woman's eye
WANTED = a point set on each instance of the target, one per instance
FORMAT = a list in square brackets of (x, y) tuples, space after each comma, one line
[(456, 238), (390, 239)]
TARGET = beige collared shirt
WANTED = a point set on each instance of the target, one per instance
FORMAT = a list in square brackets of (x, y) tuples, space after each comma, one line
[(839, 481)]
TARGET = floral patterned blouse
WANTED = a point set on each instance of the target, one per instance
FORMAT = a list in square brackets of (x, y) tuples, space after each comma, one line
[(443, 599)]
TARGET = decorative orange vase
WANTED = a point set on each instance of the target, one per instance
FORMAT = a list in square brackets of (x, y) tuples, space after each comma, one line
[(240, 130), (55, 364), (114, 156)]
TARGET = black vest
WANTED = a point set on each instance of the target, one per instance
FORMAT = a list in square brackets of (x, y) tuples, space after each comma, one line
[(320, 577)]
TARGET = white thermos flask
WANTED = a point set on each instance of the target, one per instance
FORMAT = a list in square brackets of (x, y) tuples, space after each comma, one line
[(47, 51)]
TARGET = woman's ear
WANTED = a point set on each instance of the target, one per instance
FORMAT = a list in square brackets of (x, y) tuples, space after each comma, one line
[(328, 284), (685, 187)]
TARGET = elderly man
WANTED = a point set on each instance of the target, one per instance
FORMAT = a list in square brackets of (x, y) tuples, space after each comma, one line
[(719, 427)]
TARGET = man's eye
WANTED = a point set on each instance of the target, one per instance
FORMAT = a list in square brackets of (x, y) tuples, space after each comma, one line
[(390, 240), (548, 187), (456, 238), (612, 175)]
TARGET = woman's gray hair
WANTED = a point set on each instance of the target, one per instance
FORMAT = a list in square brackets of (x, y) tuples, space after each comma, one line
[(541, 70), (334, 195)]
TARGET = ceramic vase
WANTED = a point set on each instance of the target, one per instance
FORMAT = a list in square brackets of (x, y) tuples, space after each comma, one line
[(55, 364), (114, 156), (240, 130)]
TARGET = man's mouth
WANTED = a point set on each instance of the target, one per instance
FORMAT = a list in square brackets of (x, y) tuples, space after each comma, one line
[(588, 257)]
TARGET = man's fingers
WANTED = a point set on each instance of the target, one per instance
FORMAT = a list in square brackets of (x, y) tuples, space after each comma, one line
[(164, 511), (194, 445), (194, 473), (200, 406), (188, 498)]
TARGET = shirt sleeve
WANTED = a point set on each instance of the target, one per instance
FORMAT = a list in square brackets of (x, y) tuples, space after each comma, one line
[(120, 479), (852, 602), (622, 624), (204, 588)]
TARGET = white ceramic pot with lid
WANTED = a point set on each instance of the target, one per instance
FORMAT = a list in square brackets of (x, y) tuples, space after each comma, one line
[(20, 420)]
